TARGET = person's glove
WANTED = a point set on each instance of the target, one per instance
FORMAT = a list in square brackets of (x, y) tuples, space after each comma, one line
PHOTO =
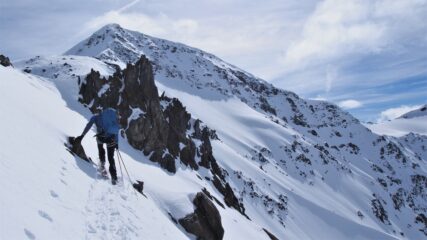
[(79, 138)]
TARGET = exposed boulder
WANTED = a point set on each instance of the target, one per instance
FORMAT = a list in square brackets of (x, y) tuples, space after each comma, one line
[(205, 222), (422, 220), (75, 147), (4, 61), (229, 198), (139, 186), (270, 235)]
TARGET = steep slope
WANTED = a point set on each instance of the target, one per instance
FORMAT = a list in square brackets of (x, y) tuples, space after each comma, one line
[(107, 209), (422, 111), (411, 122), (302, 169), (46, 192), (401, 126)]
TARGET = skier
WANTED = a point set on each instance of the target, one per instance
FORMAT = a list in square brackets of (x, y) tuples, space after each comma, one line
[(107, 132)]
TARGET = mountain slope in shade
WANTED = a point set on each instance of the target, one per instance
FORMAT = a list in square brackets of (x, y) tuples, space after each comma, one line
[(411, 122), (303, 169), (401, 126), (421, 112)]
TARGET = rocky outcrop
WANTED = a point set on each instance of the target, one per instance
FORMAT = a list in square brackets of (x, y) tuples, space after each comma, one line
[(4, 61), (160, 127), (147, 127), (205, 221), (208, 161), (139, 186), (270, 235), (74, 146)]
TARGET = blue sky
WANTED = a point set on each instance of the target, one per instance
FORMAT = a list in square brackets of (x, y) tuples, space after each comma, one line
[(368, 56)]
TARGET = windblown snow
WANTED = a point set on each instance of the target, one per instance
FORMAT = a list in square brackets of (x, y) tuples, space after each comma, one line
[(303, 169)]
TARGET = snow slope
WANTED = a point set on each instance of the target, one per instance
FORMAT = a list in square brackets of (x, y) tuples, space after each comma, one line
[(422, 111), (46, 192), (401, 126), (411, 122), (303, 169), (49, 194)]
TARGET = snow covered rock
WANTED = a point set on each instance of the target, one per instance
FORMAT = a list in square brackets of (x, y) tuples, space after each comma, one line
[(76, 148), (4, 61), (205, 222), (422, 111)]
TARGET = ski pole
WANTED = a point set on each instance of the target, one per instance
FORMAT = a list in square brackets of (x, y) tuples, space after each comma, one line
[(130, 180), (118, 159)]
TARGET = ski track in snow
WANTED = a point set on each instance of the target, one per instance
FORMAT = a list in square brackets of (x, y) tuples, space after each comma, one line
[(103, 208)]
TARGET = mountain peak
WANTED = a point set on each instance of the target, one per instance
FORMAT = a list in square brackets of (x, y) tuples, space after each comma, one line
[(112, 26)]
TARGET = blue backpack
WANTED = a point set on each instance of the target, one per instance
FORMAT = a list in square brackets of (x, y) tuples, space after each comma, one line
[(107, 122)]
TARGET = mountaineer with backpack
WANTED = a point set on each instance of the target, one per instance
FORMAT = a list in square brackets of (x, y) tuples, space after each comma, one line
[(107, 132)]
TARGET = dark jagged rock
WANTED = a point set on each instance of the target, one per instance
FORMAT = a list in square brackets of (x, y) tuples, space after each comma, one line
[(205, 222), (422, 219), (229, 198), (158, 126), (207, 159), (4, 61), (379, 211), (188, 154), (133, 91), (178, 119), (270, 235), (75, 147), (197, 130), (165, 160), (139, 186), (148, 127), (209, 195)]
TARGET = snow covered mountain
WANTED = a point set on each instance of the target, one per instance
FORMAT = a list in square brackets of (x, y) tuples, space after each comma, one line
[(411, 122), (422, 111), (275, 165)]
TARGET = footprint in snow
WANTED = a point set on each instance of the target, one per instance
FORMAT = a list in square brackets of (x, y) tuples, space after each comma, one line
[(53, 194), (124, 197), (45, 216), (29, 234), (114, 213), (64, 182), (91, 229)]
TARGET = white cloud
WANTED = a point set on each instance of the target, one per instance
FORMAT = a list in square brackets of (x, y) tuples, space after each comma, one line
[(350, 104), (369, 43), (337, 28), (331, 75), (393, 113)]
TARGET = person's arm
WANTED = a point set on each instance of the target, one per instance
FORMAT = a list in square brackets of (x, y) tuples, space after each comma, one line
[(88, 126)]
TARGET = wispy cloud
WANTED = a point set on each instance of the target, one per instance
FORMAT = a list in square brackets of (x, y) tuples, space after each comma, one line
[(350, 104)]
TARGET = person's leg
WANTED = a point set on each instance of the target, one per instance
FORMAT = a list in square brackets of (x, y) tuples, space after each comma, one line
[(110, 151), (101, 153)]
